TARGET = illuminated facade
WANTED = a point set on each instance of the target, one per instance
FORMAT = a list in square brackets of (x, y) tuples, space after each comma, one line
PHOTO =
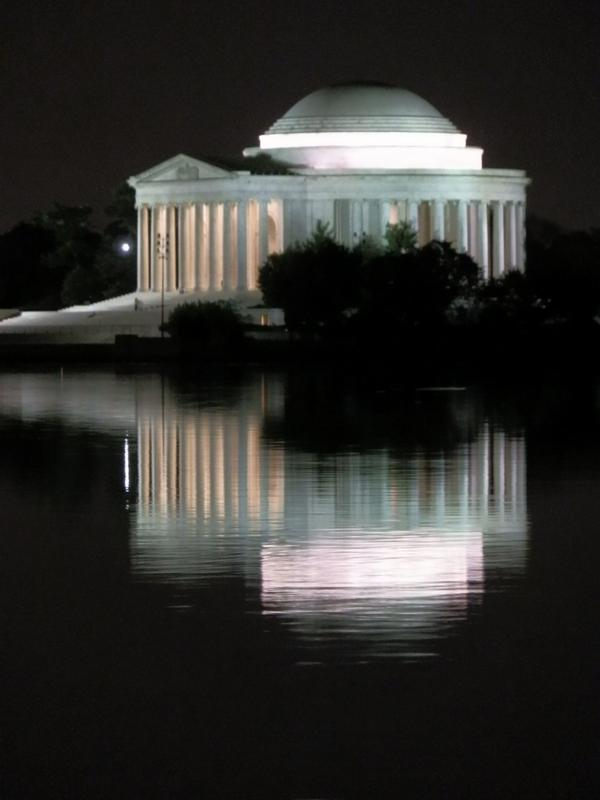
[(357, 157)]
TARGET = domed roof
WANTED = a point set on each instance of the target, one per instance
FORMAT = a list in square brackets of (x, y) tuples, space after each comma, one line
[(362, 107)]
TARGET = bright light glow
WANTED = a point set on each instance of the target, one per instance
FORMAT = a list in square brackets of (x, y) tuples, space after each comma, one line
[(271, 141), (400, 566), (125, 247), (126, 465), (385, 158)]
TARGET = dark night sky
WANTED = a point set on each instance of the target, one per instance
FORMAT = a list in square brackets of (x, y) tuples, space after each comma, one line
[(95, 92)]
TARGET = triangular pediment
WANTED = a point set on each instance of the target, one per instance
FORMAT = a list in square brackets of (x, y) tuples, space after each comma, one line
[(180, 168)]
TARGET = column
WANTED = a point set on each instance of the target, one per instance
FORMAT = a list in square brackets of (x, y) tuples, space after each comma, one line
[(143, 281), (520, 263), (200, 248), (227, 249), (153, 259), (498, 265), (182, 247), (463, 226), (172, 260), (512, 235), (213, 268), (355, 221), (384, 216), (483, 236), (242, 246), (438, 228), (263, 233), (140, 245), (413, 215)]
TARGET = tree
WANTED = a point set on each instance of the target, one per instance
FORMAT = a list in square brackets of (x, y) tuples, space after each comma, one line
[(315, 283), (24, 278), (400, 237), (415, 286), (565, 275)]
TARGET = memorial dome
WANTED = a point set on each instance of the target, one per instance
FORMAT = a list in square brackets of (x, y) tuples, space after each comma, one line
[(366, 126), (359, 107)]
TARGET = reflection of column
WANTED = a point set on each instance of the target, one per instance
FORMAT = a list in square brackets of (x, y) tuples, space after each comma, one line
[(253, 474), (204, 473), (218, 467)]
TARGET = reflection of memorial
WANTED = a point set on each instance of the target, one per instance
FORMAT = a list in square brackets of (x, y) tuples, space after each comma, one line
[(207, 465), (364, 544)]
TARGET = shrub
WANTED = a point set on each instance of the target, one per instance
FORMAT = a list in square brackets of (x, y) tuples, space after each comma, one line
[(217, 325)]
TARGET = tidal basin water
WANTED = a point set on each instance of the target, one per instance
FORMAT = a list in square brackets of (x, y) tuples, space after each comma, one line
[(294, 585)]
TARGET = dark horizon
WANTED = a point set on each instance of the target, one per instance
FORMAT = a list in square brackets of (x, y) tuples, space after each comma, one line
[(95, 96)]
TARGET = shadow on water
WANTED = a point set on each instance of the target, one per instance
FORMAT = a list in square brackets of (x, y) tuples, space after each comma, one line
[(287, 585)]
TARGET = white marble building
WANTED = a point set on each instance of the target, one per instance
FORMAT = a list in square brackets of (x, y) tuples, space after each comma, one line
[(357, 156)]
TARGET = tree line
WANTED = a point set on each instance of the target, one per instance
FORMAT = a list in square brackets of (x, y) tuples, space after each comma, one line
[(327, 288), (62, 257)]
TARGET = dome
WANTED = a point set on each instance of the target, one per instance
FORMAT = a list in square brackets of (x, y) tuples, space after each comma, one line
[(365, 126), (362, 107)]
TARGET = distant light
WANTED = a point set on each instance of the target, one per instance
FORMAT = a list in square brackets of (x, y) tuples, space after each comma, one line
[(125, 247), (126, 465)]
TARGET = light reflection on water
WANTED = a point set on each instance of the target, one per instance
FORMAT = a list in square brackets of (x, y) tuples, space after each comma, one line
[(377, 550)]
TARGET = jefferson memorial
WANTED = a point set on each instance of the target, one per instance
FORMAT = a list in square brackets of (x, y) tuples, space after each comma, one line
[(354, 157)]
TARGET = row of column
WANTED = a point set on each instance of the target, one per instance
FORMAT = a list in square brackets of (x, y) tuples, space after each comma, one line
[(220, 246), (205, 246), (493, 233)]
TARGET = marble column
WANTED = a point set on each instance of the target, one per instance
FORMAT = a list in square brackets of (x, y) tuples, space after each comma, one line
[(227, 248), (201, 254), (498, 265), (182, 248), (483, 238), (143, 238), (154, 266), (263, 232), (356, 226), (213, 248), (242, 246), (384, 216), (463, 226), (171, 281), (438, 228), (413, 216), (520, 264), (512, 236)]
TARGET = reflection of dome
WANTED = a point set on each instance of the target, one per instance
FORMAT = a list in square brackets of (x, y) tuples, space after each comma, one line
[(362, 107), (366, 126)]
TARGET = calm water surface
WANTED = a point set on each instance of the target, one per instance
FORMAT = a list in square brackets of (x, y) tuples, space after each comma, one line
[(290, 585)]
